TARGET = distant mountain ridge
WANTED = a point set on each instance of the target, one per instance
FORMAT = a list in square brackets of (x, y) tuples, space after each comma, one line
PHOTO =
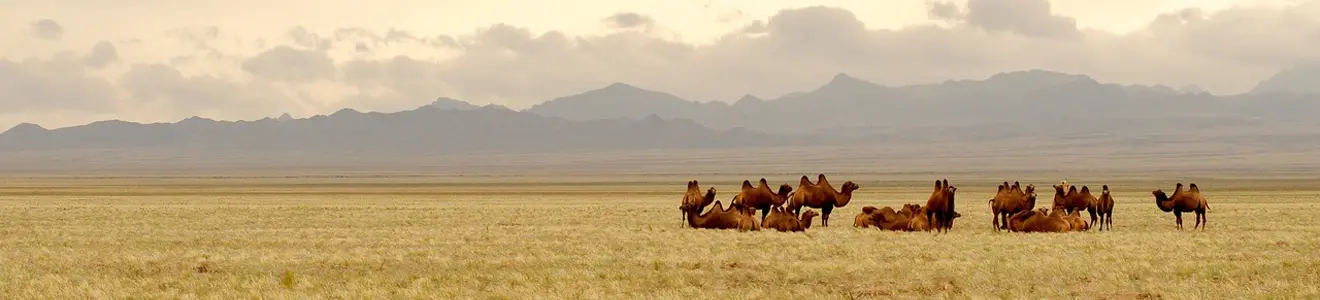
[(425, 130), (1014, 107)]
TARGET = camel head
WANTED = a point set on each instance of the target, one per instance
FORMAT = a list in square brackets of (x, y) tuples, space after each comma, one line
[(1162, 200), (849, 187), (807, 215), (1104, 189), (784, 189), (1031, 190)]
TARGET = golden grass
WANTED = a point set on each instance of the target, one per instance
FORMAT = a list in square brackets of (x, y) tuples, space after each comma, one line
[(225, 239)]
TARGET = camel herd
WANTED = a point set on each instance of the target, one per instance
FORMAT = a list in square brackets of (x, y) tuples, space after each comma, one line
[(1013, 208)]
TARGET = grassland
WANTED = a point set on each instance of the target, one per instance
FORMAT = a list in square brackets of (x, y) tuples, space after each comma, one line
[(616, 238)]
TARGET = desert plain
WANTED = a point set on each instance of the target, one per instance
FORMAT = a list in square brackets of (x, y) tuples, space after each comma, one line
[(621, 236)]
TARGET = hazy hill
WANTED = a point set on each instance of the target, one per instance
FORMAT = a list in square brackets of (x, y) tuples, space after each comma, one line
[(426, 130), (1024, 103)]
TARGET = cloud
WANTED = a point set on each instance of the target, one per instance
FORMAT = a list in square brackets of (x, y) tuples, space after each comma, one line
[(1226, 51), (103, 54), (47, 29), (53, 85), (285, 63), (629, 20), (171, 93)]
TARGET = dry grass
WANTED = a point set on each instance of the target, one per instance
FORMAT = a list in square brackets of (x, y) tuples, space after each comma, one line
[(225, 239)]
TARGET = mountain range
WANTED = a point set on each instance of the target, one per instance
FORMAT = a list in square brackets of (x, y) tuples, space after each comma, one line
[(1022, 109)]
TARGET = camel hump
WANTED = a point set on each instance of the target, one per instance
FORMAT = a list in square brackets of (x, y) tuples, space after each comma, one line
[(937, 185), (946, 182), (1193, 187), (763, 182), (1086, 190), (747, 184), (692, 183), (1072, 189), (804, 180), (868, 210), (1001, 187), (820, 177)]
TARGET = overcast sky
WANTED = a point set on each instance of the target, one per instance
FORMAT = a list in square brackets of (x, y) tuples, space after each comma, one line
[(69, 62)]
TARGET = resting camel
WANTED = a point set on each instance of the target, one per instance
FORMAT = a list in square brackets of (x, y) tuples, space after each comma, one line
[(886, 218), (780, 219), (866, 218), (761, 197), (1039, 220), (693, 200), (1104, 207), (1075, 222), (820, 195), (940, 206), (718, 217), (1072, 200), (1009, 201), (1189, 201)]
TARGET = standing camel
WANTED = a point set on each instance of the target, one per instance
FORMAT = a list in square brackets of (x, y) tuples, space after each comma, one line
[(1189, 201), (1009, 201), (761, 197), (1104, 208), (820, 195), (693, 200), (940, 206)]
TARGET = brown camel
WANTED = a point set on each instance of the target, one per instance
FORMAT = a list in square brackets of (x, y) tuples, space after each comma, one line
[(820, 195), (1072, 200), (866, 218), (1075, 222), (1040, 220), (747, 218), (887, 218), (717, 218), (1104, 208), (1189, 201), (782, 220), (940, 206), (1009, 201), (761, 197), (919, 221), (694, 200)]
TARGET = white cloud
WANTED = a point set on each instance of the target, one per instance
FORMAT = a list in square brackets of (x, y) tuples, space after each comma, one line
[(219, 74)]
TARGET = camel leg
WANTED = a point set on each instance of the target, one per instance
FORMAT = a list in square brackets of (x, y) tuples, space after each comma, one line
[(825, 215), (995, 222), (764, 212), (1094, 220), (1178, 218)]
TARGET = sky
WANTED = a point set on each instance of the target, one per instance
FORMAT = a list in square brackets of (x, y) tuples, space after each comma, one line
[(72, 62)]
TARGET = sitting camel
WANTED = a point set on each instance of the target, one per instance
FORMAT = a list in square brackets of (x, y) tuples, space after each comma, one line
[(761, 197), (1039, 220), (718, 217), (1189, 201), (820, 195), (693, 200), (780, 219), (1075, 222)]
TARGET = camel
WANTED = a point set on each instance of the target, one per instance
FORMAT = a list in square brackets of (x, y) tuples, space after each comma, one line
[(1009, 201), (694, 200), (717, 218), (761, 197), (1104, 207), (1189, 201), (1072, 200), (820, 195), (940, 206), (887, 218), (919, 221), (747, 218), (1039, 220), (782, 220), (1075, 222), (866, 218)]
